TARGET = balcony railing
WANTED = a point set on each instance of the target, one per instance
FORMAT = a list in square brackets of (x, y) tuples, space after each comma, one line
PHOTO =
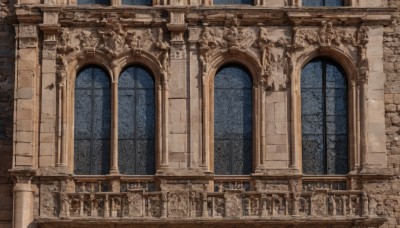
[(140, 197)]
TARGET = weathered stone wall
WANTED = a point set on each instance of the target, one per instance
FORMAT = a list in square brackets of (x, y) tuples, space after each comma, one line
[(388, 192), (7, 53)]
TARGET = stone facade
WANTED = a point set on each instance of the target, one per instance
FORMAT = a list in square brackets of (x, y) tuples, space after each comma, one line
[(43, 45)]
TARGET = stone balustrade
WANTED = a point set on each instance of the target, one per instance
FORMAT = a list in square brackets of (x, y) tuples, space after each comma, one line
[(236, 199)]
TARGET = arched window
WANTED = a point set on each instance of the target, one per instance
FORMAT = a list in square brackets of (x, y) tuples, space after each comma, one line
[(92, 121), (323, 3), (90, 2), (324, 118), (233, 121), (136, 122)]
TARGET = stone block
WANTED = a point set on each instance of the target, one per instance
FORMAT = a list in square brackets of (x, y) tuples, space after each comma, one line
[(270, 112), (379, 159), (275, 97), (276, 156), (376, 142), (47, 149), (23, 160), (177, 157), (396, 98), (22, 148), (178, 128), (277, 164), (24, 136), (46, 161), (281, 128), (276, 139), (389, 98), (25, 93), (280, 112)]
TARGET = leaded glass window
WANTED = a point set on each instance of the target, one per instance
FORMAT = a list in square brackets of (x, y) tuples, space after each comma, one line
[(137, 2), (233, 2), (89, 2), (323, 3), (324, 118), (136, 122), (92, 122), (233, 121)]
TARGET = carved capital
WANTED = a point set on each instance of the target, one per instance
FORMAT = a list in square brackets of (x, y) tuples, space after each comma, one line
[(27, 36)]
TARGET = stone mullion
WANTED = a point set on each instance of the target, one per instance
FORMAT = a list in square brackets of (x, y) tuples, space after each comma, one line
[(363, 122), (114, 126)]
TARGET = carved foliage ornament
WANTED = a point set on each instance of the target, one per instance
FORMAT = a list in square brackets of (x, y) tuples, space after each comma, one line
[(328, 36), (276, 55), (114, 38), (232, 38)]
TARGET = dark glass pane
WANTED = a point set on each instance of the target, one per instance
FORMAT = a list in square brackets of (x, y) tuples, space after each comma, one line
[(233, 2), (86, 2), (136, 122), (136, 2), (324, 118), (232, 121), (323, 3), (334, 3), (313, 2), (336, 120), (92, 122)]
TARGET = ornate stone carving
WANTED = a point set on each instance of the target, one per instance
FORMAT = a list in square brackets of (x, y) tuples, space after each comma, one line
[(233, 206), (88, 39), (135, 200), (27, 36), (273, 60), (113, 35), (178, 204), (233, 38)]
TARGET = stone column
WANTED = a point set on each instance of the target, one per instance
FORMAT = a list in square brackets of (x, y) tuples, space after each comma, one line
[(23, 198)]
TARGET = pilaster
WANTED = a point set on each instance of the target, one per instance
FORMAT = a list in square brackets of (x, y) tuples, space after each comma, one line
[(25, 95), (48, 101)]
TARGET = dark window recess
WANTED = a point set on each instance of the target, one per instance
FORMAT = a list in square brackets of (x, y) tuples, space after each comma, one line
[(233, 121), (323, 3), (324, 118), (233, 2), (136, 122), (92, 122), (137, 2), (89, 2)]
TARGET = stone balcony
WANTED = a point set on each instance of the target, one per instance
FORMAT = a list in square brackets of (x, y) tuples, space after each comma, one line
[(122, 200)]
